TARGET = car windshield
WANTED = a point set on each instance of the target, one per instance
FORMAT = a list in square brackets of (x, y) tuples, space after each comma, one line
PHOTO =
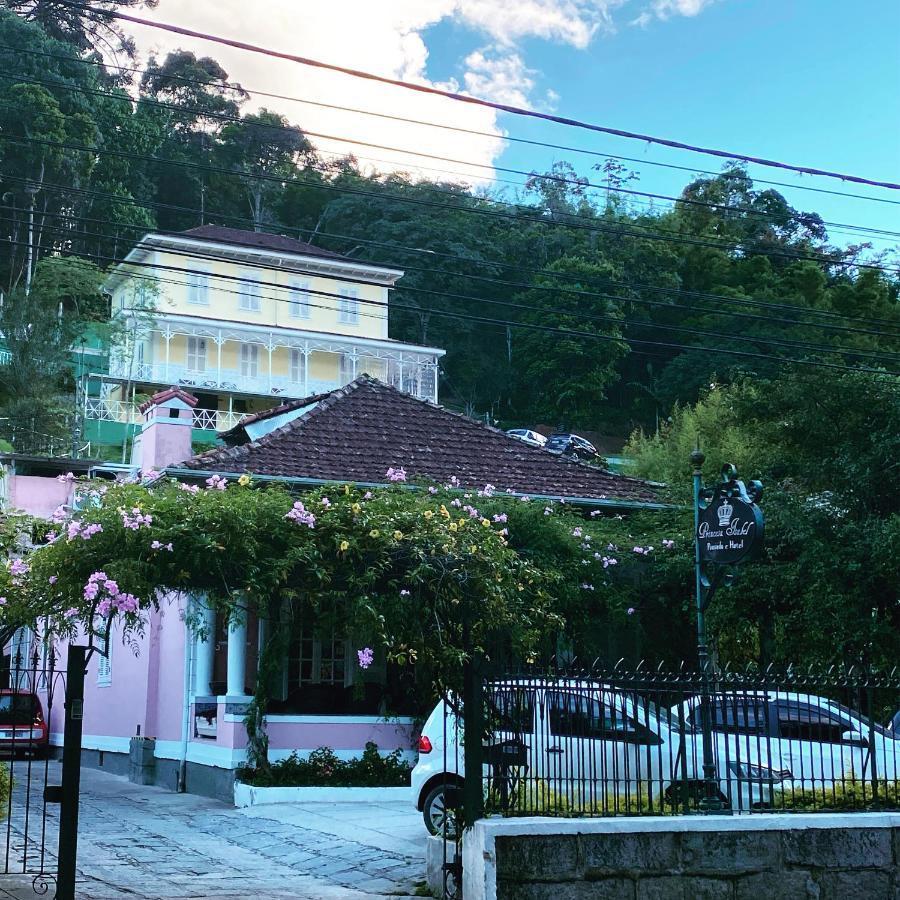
[(17, 709), (558, 440), (863, 721)]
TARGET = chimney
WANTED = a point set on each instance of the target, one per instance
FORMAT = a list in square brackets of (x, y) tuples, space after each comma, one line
[(165, 437)]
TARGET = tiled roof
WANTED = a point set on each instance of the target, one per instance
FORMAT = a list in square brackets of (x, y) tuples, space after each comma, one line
[(357, 432), (257, 239), (168, 394)]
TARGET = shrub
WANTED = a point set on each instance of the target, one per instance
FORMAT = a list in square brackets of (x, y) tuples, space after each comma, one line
[(851, 795), (5, 787), (323, 769)]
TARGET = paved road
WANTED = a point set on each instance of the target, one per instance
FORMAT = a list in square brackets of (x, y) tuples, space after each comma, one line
[(147, 843)]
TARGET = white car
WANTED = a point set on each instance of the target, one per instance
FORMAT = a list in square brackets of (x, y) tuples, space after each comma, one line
[(580, 741), (790, 742), (527, 436)]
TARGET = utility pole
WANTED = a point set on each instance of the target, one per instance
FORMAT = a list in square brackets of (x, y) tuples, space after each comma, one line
[(30, 189)]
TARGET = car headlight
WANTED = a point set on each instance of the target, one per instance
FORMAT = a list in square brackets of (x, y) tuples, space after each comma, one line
[(758, 773)]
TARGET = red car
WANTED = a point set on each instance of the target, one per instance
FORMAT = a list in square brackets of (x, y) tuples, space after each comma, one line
[(22, 725)]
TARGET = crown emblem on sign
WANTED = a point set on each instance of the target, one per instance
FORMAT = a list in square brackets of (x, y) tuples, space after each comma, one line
[(725, 511)]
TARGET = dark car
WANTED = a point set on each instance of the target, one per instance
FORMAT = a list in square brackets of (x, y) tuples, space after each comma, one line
[(572, 446), (22, 725)]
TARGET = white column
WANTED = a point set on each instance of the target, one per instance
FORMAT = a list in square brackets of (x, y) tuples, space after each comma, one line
[(206, 650), (168, 336), (269, 347), (219, 343), (306, 355), (237, 657)]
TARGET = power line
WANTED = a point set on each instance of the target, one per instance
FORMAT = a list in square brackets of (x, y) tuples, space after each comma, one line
[(486, 320), (477, 101), (556, 179), (442, 125), (593, 226), (522, 285)]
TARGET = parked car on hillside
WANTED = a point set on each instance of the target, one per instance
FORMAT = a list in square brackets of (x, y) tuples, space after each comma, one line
[(795, 742), (23, 728), (578, 742), (572, 446), (527, 436)]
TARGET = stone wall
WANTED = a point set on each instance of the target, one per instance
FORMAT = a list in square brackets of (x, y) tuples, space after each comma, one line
[(740, 858)]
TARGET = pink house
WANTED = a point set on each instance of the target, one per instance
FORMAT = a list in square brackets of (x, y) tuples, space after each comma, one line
[(188, 686)]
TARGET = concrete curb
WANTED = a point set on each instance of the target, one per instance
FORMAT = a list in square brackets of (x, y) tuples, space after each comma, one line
[(248, 795)]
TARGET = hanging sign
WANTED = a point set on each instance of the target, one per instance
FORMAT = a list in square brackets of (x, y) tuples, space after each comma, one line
[(730, 526)]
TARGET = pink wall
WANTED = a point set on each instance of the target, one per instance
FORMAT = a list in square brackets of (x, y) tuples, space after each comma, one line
[(37, 495)]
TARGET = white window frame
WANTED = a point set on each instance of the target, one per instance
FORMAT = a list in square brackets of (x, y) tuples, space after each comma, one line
[(194, 346), (299, 300), (250, 360), (104, 667), (248, 298), (198, 288), (348, 306), (298, 363)]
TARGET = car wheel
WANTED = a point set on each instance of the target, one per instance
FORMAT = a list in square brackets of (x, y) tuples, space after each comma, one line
[(440, 817)]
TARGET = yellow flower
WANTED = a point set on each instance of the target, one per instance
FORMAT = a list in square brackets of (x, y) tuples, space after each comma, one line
[(244, 480), (428, 514), (345, 545), (486, 523), (473, 548), (454, 526), (356, 507), (346, 490), (374, 533), (445, 512), (398, 535), (462, 522)]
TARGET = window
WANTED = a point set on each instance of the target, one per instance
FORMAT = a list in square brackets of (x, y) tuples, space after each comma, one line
[(196, 354), (514, 710), (104, 667), (299, 302), (318, 659), (249, 296), (250, 360), (345, 368), (198, 288), (348, 306), (298, 366), (580, 716), (735, 715), (800, 722)]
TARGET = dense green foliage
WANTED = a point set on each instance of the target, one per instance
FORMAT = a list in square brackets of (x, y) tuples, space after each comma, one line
[(322, 768), (561, 252), (828, 587)]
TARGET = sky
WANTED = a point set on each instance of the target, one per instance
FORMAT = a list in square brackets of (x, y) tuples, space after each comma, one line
[(808, 82)]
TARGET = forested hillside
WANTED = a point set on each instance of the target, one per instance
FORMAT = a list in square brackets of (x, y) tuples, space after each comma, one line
[(573, 298)]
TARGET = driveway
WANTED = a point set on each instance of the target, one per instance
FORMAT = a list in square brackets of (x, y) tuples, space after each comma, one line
[(151, 844)]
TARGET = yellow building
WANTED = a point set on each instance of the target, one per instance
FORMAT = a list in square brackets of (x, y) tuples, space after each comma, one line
[(246, 320)]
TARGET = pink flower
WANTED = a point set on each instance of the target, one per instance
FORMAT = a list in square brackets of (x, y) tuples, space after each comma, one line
[(151, 475), (432, 490), (112, 587), (51, 537), (89, 530), (325, 502), (68, 478), (91, 589), (487, 491), (97, 576), (393, 474), (668, 544), (368, 495), (216, 483), (189, 488), (365, 657), (301, 515), (104, 606), (73, 530), (71, 613), (454, 481), (59, 515), (500, 517)]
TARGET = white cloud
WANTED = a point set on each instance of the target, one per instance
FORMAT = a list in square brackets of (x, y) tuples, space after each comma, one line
[(665, 9), (387, 37)]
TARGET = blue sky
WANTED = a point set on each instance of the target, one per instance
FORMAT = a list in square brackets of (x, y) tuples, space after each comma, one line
[(810, 82), (804, 82)]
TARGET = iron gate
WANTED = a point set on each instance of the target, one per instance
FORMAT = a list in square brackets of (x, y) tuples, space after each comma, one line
[(38, 840)]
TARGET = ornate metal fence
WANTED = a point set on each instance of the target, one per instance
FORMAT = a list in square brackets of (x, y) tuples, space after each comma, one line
[(40, 801)]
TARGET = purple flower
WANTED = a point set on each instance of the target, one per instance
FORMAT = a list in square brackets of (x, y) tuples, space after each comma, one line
[(2, 601), (91, 589), (325, 502), (368, 495), (52, 579), (454, 481), (216, 483), (104, 606), (71, 613), (393, 474), (59, 515), (68, 478), (587, 587), (630, 611), (577, 532), (500, 517), (668, 544), (301, 515), (365, 657), (432, 490), (97, 576), (487, 491), (189, 488), (112, 587), (19, 567)]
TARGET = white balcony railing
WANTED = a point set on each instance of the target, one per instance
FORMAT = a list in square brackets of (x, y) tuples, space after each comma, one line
[(101, 410)]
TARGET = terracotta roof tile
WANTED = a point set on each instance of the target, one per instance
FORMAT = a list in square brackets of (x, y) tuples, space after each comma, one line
[(357, 432)]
